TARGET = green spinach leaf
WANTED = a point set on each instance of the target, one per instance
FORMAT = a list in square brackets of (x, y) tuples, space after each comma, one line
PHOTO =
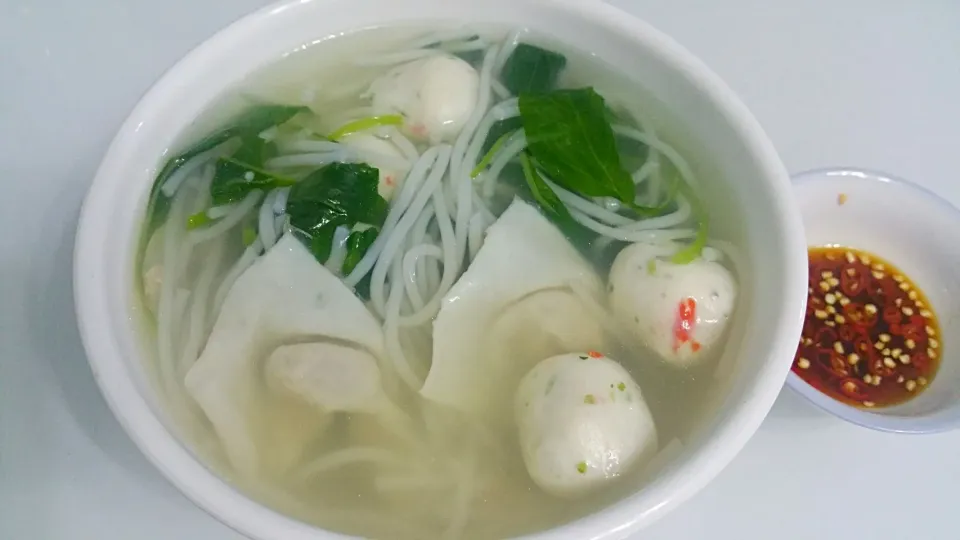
[(569, 135), (234, 180), (247, 125), (542, 194), (532, 69), (357, 245), (338, 194)]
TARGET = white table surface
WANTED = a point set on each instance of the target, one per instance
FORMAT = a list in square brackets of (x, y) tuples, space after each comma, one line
[(866, 82)]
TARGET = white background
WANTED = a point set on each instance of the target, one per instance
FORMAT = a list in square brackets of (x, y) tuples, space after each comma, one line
[(873, 83)]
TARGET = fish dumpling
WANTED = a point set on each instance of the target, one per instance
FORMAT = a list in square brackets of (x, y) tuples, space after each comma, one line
[(582, 422), (679, 310), (514, 306), (285, 298)]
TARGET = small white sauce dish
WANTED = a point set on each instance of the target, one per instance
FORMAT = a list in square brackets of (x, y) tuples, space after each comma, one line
[(915, 230)]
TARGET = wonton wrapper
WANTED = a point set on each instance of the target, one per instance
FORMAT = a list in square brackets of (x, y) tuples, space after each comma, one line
[(285, 297), (513, 307)]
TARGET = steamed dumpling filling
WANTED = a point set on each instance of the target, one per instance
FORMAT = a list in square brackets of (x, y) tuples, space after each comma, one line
[(381, 309)]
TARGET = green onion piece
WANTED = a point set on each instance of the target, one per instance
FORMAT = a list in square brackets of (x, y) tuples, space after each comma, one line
[(365, 124), (692, 251), (488, 157), (249, 236), (198, 220)]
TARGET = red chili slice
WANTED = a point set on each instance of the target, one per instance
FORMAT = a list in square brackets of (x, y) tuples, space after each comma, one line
[(858, 316), (892, 315), (825, 338), (852, 285), (920, 361)]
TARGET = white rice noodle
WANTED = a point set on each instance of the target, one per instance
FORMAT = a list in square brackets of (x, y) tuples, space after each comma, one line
[(406, 147), (338, 250), (451, 257), (309, 146), (397, 236), (246, 259), (197, 317), (308, 160), (660, 146), (266, 226), (509, 45), (175, 180), (351, 456), (461, 183), (408, 190)]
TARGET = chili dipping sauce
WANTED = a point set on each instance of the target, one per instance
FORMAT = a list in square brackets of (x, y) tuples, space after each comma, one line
[(870, 338)]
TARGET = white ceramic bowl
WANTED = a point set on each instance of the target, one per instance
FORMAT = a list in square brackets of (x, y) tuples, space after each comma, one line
[(755, 192), (918, 232)]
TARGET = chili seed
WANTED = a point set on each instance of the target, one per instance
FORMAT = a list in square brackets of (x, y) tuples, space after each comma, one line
[(877, 275), (931, 353), (912, 295), (833, 282), (922, 381), (824, 286), (878, 346), (877, 266), (864, 259), (900, 379), (934, 343), (830, 298), (907, 311), (844, 301), (850, 257), (831, 324), (803, 363), (868, 404), (895, 352), (826, 274), (837, 346), (889, 363), (898, 278), (853, 359), (911, 385), (831, 310), (926, 313), (885, 352), (840, 319), (867, 378), (910, 343), (851, 272), (876, 380), (885, 338), (930, 330), (904, 359), (820, 314), (904, 286), (870, 309)]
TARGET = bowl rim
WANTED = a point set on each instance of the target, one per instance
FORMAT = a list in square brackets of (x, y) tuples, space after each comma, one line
[(908, 425), (206, 489)]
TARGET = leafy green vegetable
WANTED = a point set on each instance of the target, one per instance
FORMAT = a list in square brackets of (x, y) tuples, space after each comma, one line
[(569, 135), (249, 235), (498, 129), (491, 153), (365, 124), (198, 220), (532, 69), (338, 194), (695, 248), (248, 125), (545, 197), (357, 245), (234, 180)]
